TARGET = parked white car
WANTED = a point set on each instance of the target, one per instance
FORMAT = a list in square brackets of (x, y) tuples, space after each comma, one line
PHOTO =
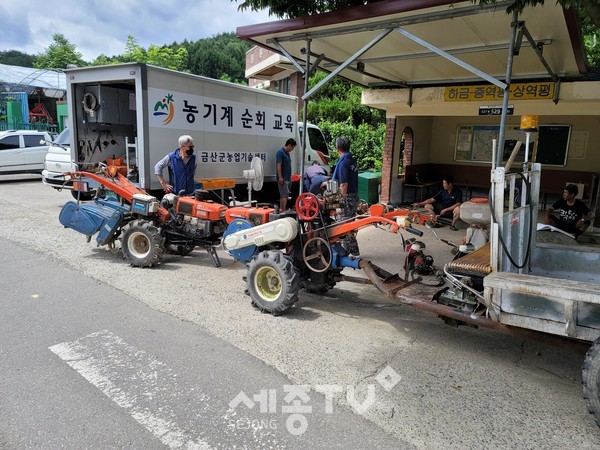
[(23, 151)]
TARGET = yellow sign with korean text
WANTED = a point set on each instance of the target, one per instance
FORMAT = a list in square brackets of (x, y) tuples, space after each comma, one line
[(518, 91)]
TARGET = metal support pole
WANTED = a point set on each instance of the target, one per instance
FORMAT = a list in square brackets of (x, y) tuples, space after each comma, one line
[(349, 61), (304, 125), (511, 50), (449, 57)]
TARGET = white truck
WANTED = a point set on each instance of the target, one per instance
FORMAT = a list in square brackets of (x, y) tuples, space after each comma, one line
[(133, 114)]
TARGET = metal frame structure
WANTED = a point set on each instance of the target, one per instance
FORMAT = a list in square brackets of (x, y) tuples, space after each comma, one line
[(519, 35)]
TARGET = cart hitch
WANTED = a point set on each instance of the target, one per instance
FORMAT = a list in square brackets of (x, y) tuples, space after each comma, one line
[(387, 283)]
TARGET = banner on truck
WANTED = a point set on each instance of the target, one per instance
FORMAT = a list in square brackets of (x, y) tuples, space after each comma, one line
[(199, 113)]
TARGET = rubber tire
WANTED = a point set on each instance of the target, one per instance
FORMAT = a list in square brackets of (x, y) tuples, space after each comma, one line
[(590, 380), (142, 244), (316, 283), (283, 277), (83, 196), (315, 288), (178, 249)]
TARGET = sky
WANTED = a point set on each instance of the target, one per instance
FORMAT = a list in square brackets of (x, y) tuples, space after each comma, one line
[(102, 26)]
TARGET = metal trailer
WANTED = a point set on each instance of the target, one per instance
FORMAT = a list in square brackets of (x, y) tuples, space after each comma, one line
[(131, 115)]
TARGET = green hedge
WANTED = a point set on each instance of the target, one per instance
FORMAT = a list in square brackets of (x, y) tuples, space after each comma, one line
[(366, 142)]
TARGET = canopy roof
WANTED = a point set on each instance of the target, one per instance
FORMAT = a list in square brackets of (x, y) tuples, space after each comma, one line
[(26, 79), (394, 43)]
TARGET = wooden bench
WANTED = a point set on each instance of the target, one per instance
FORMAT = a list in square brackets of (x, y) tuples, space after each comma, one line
[(422, 188), (466, 177)]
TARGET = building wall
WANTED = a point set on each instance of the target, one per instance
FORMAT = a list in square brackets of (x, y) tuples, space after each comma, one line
[(278, 77), (255, 56), (584, 144), (422, 135)]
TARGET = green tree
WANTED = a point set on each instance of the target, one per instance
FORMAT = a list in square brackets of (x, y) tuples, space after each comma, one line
[(134, 52), (340, 101), (103, 60), (59, 54), (338, 111), (286, 8), (161, 56), (16, 58), (366, 142), (222, 57), (591, 38)]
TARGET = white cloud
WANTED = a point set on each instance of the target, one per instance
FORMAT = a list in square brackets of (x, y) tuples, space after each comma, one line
[(102, 26)]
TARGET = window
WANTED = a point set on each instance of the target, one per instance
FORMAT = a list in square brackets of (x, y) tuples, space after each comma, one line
[(9, 142), (33, 140), (64, 138), (317, 141), (401, 155), (282, 86)]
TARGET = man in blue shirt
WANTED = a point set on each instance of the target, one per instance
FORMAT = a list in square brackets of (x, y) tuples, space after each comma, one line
[(346, 173), (182, 168), (445, 203), (283, 166)]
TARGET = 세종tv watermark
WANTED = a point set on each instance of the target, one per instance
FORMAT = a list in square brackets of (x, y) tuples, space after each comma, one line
[(295, 402)]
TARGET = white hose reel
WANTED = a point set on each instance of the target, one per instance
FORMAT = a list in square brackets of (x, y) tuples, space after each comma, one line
[(90, 104)]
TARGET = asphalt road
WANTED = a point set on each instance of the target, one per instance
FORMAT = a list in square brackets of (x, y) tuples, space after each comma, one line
[(455, 387), (87, 366)]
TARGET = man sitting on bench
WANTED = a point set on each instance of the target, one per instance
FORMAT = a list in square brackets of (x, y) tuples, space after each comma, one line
[(573, 215), (446, 203)]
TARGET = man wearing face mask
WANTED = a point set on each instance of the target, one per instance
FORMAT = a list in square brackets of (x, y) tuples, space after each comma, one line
[(182, 167)]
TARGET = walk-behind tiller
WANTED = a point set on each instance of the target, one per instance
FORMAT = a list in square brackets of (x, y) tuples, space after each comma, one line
[(303, 249), (145, 227)]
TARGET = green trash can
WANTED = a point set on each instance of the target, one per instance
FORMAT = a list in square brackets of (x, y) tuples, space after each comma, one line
[(368, 186)]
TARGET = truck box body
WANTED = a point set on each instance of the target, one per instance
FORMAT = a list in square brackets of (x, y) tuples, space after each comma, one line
[(150, 107)]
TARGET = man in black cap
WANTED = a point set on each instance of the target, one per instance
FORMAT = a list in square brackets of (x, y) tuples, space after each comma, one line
[(573, 216)]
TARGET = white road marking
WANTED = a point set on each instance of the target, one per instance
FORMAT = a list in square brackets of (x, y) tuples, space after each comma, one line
[(133, 380)]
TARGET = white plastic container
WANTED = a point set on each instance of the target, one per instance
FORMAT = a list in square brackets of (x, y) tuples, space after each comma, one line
[(476, 212)]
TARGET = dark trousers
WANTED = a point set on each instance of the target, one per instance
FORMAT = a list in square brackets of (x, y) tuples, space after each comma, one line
[(350, 243), (565, 226)]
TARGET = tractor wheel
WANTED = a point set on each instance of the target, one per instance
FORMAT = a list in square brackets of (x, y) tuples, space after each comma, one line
[(273, 282), (180, 249), (142, 244), (590, 380)]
